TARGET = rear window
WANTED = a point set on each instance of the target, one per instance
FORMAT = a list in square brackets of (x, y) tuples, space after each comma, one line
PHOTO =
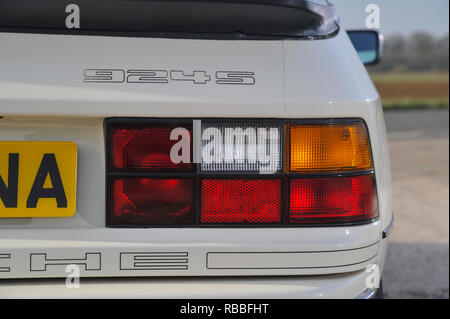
[(233, 19)]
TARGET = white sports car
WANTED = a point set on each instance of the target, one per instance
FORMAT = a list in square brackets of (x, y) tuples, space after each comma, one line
[(189, 149)]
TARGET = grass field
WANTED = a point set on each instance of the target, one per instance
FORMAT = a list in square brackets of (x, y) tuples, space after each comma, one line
[(413, 90)]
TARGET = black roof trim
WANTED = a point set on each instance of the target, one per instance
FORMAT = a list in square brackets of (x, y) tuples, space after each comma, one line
[(209, 19)]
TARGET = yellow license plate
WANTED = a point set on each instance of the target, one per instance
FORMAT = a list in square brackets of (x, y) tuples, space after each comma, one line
[(38, 179)]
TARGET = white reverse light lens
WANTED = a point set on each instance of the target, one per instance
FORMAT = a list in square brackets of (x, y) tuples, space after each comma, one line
[(241, 148)]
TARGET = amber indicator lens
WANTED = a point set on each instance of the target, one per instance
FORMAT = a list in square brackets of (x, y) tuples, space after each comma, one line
[(328, 147)]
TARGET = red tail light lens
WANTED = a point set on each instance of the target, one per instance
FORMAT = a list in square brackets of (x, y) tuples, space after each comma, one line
[(332, 199), (145, 201), (147, 149), (240, 201)]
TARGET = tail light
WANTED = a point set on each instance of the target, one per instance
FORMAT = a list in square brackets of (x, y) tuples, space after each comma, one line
[(241, 148), (147, 148), (261, 172), (240, 201), (328, 148), (155, 201), (332, 199)]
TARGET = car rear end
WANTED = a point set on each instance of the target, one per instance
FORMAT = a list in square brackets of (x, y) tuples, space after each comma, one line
[(244, 164)]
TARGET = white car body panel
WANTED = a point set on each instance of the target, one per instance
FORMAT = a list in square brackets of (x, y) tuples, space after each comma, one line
[(306, 287), (43, 97)]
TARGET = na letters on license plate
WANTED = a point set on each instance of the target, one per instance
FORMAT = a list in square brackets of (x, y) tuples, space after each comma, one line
[(38, 179)]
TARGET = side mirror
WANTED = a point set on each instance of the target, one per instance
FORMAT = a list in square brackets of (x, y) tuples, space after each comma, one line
[(368, 44)]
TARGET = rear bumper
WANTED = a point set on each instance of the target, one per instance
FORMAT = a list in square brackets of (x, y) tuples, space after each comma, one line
[(349, 285), (182, 253)]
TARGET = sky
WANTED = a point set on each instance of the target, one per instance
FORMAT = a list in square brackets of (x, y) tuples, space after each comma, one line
[(397, 16)]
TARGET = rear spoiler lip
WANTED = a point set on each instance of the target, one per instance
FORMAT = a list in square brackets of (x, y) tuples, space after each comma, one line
[(168, 35), (326, 23)]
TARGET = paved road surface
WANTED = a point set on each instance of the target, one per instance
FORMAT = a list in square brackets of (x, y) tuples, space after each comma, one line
[(417, 264)]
